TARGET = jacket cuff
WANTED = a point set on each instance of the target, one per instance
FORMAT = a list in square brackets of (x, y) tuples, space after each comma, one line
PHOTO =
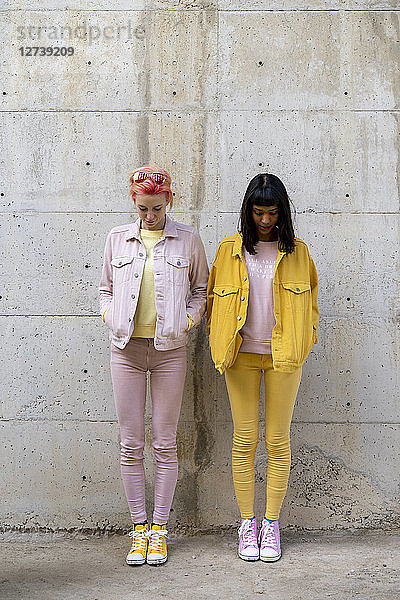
[(191, 322)]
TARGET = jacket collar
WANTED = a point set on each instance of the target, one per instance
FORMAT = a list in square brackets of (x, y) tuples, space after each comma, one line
[(237, 249), (169, 229)]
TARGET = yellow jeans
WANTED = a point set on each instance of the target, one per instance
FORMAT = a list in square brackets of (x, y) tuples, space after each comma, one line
[(243, 382)]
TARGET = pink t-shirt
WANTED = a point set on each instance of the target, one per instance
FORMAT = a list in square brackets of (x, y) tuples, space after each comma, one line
[(260, 320)]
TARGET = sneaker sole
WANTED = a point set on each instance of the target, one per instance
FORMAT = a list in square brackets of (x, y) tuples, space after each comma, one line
[(159, 561), (248, 558), (134, 563), (270, 559)]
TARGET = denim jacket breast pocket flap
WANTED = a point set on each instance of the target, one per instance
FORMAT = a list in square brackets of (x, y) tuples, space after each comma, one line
[(177, 261), (225, 290), (121, 261), (297, 288)]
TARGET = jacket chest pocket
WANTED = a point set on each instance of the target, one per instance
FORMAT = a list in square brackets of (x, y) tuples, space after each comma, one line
[(296, 296), (122, 269), (177, 270), (225, 298)]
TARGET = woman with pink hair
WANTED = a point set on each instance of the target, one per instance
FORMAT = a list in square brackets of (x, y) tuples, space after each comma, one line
[(152, 291)]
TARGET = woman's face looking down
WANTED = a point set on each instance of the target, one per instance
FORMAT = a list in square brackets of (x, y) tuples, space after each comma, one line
[(265, 218), (151, 209)]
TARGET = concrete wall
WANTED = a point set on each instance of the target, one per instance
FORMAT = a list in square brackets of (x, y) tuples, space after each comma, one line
[(216, 93)]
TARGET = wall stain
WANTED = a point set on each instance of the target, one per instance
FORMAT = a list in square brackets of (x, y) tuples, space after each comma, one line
[(205, 437), (325, 493)]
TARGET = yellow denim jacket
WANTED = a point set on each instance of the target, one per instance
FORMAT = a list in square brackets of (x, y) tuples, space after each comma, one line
[(295, 291)]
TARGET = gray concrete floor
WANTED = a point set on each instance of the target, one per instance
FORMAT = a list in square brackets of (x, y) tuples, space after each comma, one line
[(364, 565)]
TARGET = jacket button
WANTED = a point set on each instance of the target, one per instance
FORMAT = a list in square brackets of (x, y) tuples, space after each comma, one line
[(242, 297), (140, 253), (297, 289), (244, 278), (136, 274), (223, 292), (239, 318), (178, 262), (120, 263), (133, 296), (129, 320)]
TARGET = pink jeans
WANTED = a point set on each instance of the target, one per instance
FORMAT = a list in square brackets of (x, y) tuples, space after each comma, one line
[(167, 377)]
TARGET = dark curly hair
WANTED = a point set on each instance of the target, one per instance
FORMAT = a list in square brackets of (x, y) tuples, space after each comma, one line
[(266, 190)]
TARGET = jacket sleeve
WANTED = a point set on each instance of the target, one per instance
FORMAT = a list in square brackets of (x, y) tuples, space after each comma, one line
[(198, 276), (210, 297), (106, 284), (210, 288), (314, 297)]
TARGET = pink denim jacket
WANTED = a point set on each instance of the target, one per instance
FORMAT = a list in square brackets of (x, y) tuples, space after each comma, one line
[(180, 281)]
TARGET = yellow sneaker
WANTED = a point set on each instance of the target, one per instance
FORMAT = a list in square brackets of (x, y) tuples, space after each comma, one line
[(157, 550), (138, 551)]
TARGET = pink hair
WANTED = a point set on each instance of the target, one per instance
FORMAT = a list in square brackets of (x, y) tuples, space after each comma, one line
[(148, 186)]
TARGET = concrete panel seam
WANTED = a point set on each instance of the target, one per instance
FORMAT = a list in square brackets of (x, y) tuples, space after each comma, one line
[(45, 420), (200, 110), (306, 10), (201, 10), (307, 211), (360, 314)]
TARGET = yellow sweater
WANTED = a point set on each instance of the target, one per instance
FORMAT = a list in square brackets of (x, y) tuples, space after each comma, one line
[(146, 314)]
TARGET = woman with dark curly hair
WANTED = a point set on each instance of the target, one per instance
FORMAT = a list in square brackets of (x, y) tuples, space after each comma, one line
[(262, 318)]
